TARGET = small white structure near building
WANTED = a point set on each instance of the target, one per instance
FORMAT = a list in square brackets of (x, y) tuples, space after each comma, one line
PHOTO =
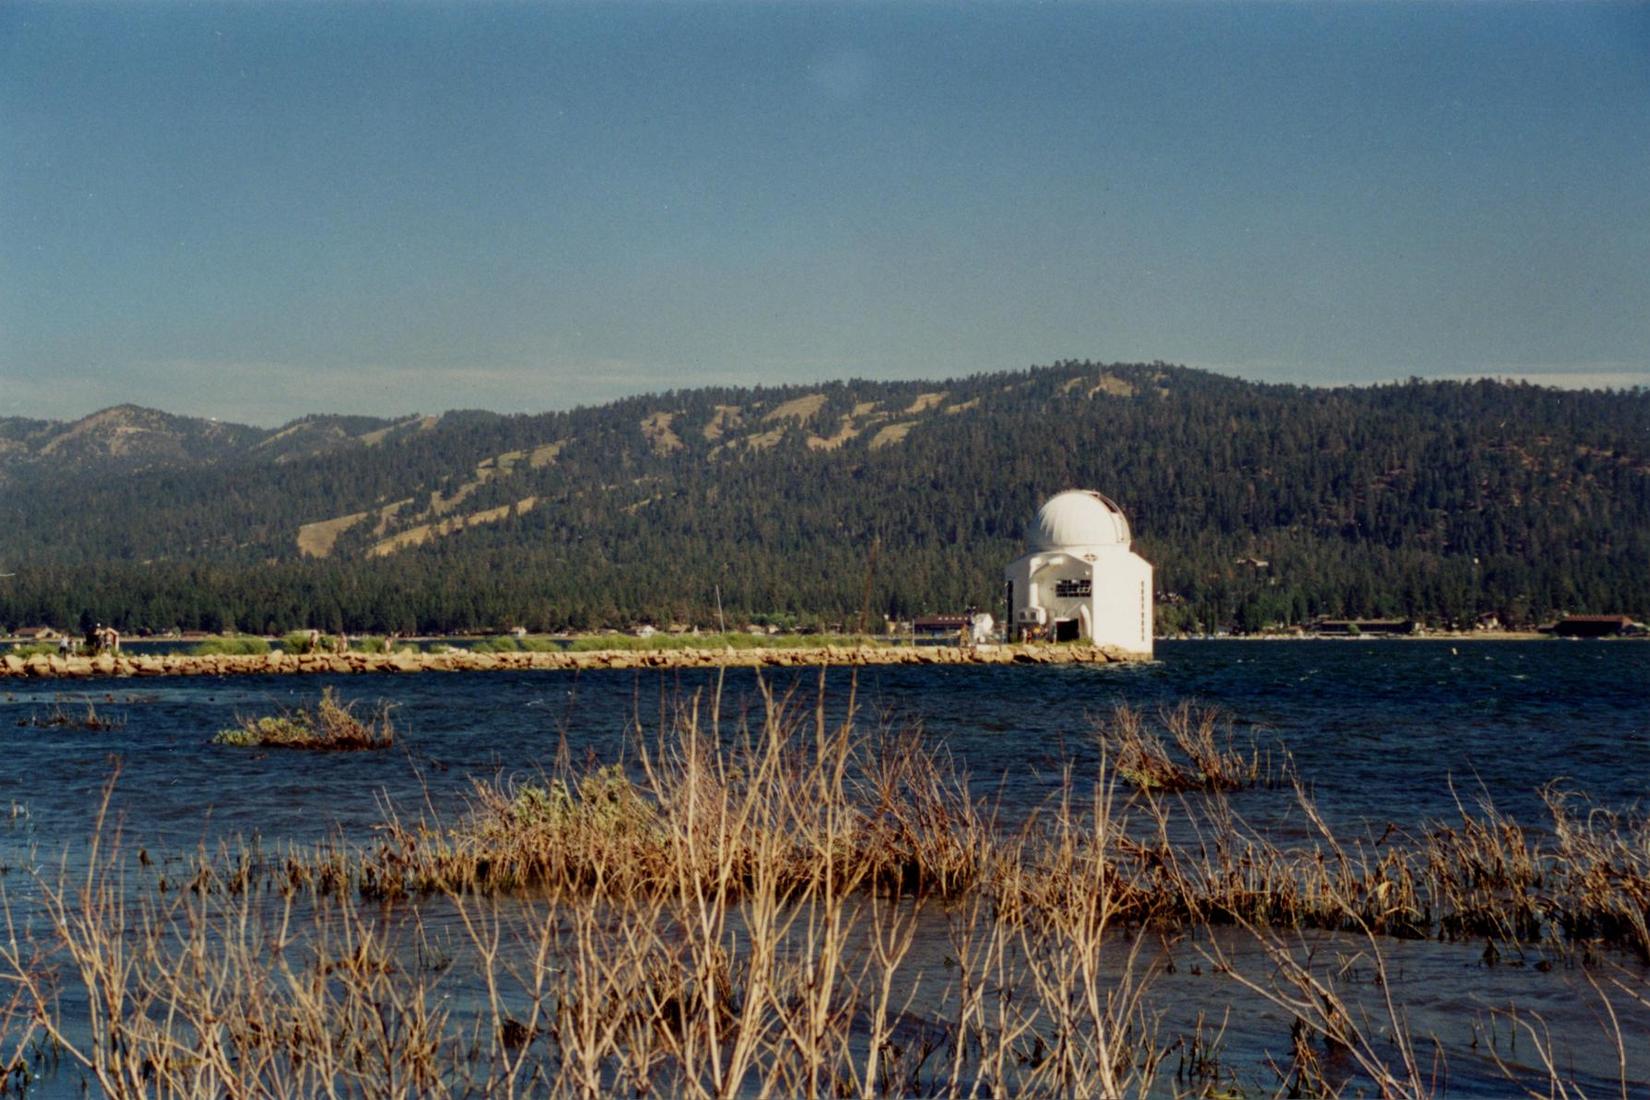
[(1081, 581), (980, 628)]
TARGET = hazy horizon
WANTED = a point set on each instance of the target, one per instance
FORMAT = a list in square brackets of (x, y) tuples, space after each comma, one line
[(1599, 383), (257, 211)]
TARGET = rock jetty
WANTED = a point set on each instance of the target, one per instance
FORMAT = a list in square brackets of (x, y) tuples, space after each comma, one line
[(51, 666)]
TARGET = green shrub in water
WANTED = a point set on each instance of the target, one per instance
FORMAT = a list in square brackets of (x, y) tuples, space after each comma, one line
[(605, 799), (328, 725)]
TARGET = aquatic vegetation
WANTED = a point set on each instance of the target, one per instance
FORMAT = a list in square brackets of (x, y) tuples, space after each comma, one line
[(768, 809), (60, 717), (238, 645), (760, 910), (1602, 869), (1208, 760), (328, 725)]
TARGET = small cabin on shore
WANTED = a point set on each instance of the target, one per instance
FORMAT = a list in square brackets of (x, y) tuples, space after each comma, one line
[(1366, 626), (936, 626), (1591, 626)]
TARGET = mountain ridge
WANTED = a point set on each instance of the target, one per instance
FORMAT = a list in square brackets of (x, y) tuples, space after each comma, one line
[(129, 437), (1436, 499)]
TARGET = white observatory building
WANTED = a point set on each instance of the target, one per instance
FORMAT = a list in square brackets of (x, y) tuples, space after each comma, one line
[(1081, 581)]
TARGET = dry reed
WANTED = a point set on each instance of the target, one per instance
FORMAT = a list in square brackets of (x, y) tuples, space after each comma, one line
[(1208, 760), (60, 717)]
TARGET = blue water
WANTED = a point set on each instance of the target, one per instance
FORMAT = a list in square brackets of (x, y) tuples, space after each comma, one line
[(1380, 730)]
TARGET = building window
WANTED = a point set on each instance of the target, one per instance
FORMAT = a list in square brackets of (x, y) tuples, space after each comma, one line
[(1071, 590)]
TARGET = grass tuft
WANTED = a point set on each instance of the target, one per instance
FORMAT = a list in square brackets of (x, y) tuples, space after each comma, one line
[(239, 645), (25, 650)]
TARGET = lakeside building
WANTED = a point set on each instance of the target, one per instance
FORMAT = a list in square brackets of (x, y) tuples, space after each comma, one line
[(1366, 626), (1591, 626), (1081, 580)]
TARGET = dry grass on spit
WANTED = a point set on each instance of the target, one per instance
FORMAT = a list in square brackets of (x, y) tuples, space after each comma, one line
[(757, 912)]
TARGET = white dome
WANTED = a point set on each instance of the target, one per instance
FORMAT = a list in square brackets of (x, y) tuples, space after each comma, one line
[(1079, 517)]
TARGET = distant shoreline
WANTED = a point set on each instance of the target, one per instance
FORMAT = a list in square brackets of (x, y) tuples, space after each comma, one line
[(52, 666), (1475, 636)]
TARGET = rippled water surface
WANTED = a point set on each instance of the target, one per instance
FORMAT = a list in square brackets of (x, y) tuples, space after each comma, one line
[(1382, 731)]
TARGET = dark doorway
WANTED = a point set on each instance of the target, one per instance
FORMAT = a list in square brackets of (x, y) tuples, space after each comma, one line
[(1067, 630)]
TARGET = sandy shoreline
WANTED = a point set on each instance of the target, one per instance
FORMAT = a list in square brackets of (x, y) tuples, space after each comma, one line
[(51, 666)]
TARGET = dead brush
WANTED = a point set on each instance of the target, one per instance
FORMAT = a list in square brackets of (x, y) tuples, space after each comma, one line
[(923, 828), (329, 724), (1208, 760), (733, 912), (1199, 863), (1484, 877), (1369, 1040), (60, 717), (1600, 873), (788, 802), (216, 992)]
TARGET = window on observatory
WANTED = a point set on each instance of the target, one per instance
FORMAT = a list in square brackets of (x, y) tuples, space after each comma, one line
[(1073, 589)]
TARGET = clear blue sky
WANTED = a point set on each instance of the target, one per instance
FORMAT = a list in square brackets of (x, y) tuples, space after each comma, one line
[(256, 210)]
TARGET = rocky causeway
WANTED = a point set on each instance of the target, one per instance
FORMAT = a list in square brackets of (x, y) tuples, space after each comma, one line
[(51, 666)]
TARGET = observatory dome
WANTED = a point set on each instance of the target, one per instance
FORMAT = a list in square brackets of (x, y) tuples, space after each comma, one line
[(1079, 517)]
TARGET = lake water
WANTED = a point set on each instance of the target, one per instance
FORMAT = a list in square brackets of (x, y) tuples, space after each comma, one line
[(1382, 731)]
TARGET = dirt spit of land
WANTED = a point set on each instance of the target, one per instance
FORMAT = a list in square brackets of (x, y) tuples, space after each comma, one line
[(51, 666)]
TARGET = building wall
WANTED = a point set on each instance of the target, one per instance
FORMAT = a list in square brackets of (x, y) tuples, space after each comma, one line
[(1118, 596), (1123, 602)]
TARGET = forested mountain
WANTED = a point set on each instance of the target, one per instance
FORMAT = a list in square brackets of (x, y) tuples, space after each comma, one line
[(1258, 504), (128, 438)]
